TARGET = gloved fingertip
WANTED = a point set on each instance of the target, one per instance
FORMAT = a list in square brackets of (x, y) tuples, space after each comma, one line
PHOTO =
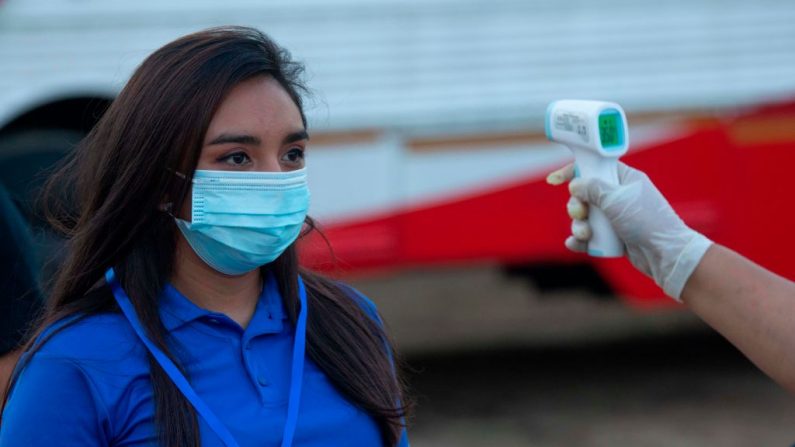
[(576, 246), (577, 209), (561, 175), (554, 179), (576, 188), (581, 230)]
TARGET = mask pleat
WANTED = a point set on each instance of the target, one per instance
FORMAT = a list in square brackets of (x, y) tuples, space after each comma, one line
[(242, 220)]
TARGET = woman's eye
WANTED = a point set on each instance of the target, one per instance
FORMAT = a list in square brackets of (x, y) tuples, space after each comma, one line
[(295, 155), (236, 159)]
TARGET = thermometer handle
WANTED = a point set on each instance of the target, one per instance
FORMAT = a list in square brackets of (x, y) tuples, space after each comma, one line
[(604, 241)]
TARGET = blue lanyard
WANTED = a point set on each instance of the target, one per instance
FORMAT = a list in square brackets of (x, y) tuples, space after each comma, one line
[(299, 348)]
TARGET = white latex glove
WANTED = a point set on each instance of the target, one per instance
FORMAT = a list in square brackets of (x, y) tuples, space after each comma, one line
[(658, 242)]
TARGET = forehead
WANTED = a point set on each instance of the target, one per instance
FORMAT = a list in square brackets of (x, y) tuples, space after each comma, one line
[(259, 106)]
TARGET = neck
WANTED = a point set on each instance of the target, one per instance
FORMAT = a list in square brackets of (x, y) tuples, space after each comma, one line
[(7, 363), (234, 296)]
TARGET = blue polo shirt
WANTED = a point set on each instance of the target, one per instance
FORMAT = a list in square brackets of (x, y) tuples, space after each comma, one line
[(89, 384)]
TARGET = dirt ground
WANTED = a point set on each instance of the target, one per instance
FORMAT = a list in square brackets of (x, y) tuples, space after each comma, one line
[(688, 390), (496, 363)]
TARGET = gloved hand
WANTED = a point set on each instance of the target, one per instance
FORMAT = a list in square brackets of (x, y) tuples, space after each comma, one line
[(658, 242)]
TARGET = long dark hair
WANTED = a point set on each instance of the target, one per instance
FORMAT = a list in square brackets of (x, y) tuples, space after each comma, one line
[(106, 197)]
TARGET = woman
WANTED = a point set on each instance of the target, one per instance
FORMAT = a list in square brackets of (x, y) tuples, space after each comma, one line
[(752, 307), (180, 315)]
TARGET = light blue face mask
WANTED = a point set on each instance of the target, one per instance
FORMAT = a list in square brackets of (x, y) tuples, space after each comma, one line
[(244, 220)]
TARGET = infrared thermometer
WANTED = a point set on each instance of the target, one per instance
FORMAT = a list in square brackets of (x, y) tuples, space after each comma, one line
[(596, 132)]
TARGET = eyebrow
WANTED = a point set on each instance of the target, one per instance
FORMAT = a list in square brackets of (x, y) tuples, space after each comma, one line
[(236, 138), (251, 140), (296, 136)]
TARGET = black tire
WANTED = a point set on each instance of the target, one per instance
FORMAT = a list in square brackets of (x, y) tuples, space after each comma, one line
[(31, 249), (26, 157), (20, 299)]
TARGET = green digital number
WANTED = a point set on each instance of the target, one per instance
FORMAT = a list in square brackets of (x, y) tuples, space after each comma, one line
[(610, 129)]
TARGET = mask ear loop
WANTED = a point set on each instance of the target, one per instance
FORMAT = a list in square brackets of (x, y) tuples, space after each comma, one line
[(168, 207)]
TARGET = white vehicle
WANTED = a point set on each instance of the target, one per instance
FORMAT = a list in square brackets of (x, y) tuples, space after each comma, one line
[(427, 118)]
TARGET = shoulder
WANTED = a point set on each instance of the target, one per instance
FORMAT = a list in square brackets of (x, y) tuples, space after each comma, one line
[(35, 411), (362, 300), (103, 336), (93, 364)]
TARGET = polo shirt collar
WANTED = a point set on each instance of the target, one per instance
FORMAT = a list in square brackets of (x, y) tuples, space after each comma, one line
[(177, 310)]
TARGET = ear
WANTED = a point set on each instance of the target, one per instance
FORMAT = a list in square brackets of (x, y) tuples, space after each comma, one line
[(167, 206)]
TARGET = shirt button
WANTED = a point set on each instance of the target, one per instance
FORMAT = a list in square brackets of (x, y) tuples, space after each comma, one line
[(213, 320), (262, 380), (248, 346)]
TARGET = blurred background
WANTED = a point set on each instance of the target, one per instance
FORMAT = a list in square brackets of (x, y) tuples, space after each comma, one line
[(427, 164)]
